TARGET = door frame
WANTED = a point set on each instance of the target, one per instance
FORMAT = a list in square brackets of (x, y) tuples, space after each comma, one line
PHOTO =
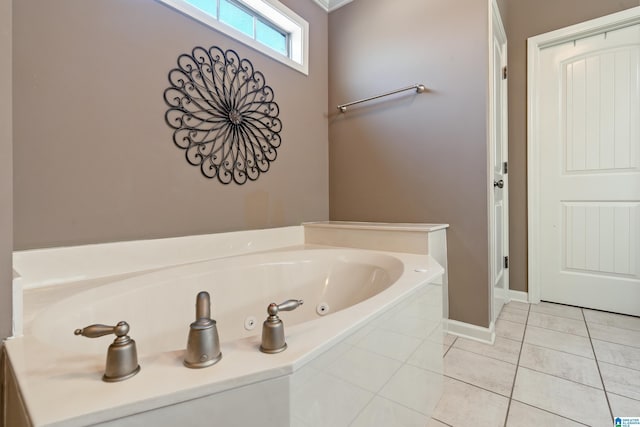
[(535, 45), (496, 29)]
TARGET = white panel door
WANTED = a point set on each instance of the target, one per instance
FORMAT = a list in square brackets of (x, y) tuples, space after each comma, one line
[(499, 215), (590, 172)]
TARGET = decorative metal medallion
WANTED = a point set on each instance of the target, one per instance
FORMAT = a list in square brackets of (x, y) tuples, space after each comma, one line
[(223, 114)]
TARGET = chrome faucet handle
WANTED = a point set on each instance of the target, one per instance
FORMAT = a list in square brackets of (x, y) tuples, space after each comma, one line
[(273, 340), (95, 331), (122, 356), (288, 305)]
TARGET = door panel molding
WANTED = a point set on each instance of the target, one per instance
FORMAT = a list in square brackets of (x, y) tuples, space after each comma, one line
[(497, 196), (536, 44)]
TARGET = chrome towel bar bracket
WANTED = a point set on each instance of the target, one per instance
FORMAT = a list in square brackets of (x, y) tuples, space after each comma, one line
[(419, 88)]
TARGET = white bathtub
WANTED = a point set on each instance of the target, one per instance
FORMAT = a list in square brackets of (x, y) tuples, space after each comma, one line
[(384, 314)]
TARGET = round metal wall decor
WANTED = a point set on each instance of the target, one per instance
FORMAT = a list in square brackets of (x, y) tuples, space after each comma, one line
[(223, 115)]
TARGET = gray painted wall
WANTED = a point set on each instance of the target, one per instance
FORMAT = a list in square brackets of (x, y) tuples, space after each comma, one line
[(6, 174), (525, 19), (93, 158), (87, 170), (415, 158)]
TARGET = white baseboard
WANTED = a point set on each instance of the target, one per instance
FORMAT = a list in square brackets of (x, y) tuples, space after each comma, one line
[(518, 296), (472, 332)]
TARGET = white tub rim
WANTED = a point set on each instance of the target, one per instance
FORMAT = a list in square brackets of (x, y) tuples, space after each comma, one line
[(300, 352)]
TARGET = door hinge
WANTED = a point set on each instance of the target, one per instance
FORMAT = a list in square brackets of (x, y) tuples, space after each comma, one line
[(504, 72), (506, 262), (504, 168)]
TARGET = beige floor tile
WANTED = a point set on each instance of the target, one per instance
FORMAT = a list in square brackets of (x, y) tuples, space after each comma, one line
[(622, 381), (616, 335), (559, 341), (623, 406), (435, 423), (616, 354), (558, 310), (521, 415), (485, 372), (502, 349), (566, 398), (510, 330), (464, 405), (518, 316), (518, 305), (449, 339), (560, 324), (561, 364), (445, 348), (507, 307), (611, 319)]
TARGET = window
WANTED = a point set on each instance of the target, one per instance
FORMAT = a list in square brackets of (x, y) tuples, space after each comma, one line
[(265, 25)]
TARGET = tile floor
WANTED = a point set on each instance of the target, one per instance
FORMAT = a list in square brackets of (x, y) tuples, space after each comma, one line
[(551, 365)]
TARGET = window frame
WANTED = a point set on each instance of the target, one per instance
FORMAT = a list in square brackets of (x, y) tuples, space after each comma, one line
[(270, 12)]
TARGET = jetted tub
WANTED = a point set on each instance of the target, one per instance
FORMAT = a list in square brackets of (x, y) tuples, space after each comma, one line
[(371, 308)]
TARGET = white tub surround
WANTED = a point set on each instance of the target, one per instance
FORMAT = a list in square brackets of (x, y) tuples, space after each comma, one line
[(349, 367), (396, 237), (52, 266), (414, 238)]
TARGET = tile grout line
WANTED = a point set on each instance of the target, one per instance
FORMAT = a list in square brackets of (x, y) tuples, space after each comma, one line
[(377, 393), (448, 349), (616, 343), (552, 413), (615, 314), (562, 351), (515, 376), (374, 394), (562, 332), (604, 389), (563, 318), (614, 326), (476, 386), (556, 314), (514, 379), (622, 395), (563, 378), (620, 366), (441, 422), (484, 355)]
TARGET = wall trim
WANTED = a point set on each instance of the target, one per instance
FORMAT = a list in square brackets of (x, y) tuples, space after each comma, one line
[(534, 47), (472, 332), (519, 296), (323, 4), (588, 28), (331, 5)]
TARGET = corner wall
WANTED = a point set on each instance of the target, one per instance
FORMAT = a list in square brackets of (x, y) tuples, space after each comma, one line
[(94, 160), (6, 174), (526, 19), (410, 157)]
